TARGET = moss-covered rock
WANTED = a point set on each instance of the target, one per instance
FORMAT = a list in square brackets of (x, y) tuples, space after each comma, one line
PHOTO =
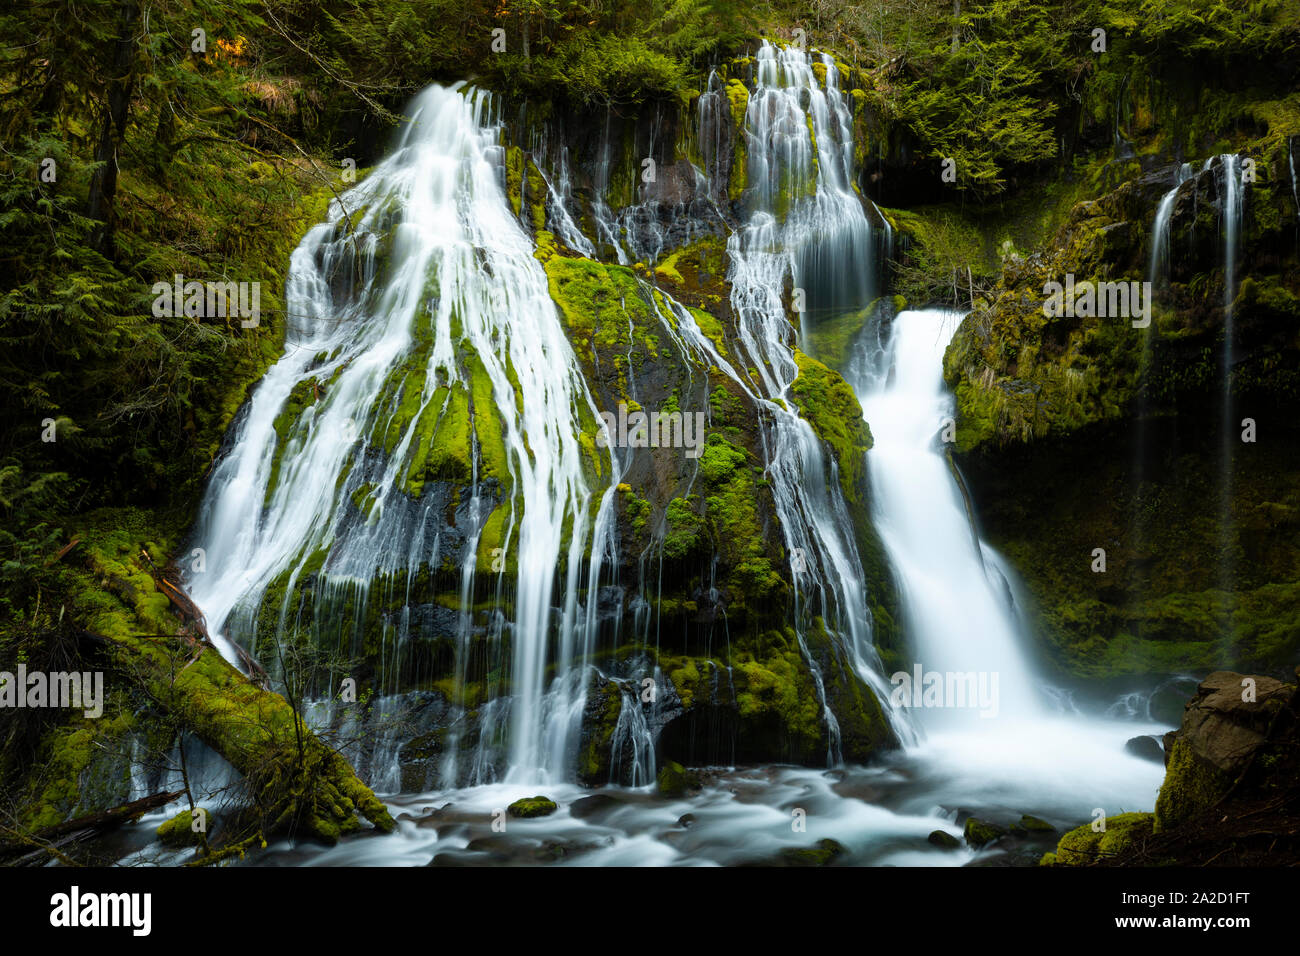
[(529, 808), (1084, 845), (674, 780), (824, 853), (599, 721), (943, 839), (979, 833), (1031, 824), (1225, 725), (179, 831), (829, 404)]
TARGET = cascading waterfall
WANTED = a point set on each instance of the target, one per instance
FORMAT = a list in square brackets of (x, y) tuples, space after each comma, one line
[(1005, 749), (424, 279), (954, 596), (1158, 266), (806, 224), (559, 196)]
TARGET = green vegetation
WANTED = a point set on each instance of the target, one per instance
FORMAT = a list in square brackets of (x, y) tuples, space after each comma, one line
[(1084, 845), (831, 407), (529, 807)]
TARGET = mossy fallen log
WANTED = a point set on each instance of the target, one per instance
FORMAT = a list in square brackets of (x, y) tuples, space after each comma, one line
[(297, 784)]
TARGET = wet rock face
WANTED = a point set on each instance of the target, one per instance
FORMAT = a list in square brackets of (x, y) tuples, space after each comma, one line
[(1146, 746), (1231, 736), (1229, 717)]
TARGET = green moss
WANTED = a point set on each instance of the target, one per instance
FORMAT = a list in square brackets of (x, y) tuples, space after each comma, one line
[(607, 310), (978, 833), (674, 780), (530, 807), (780, 685), (636, 509), (537, 192), (943, 839), (1035, 825), (685, 535), (698, 271), (362, 498), (830, 339), (738, 98), (514, 178), (726, 470), (1191, 786), (831, 407), (295, 779), (493, 459), (78, 772), (467, 695), (1083, 845), (685, 679), (712, 327), (824, 853), (179, 830), (604, 705), (720, 459)]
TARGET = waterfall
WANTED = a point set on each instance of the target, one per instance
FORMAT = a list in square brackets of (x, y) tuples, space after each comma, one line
[(1295, 184), (1232, 199), (559, 197), (954, 596), (1159, 265), (1159, 270), (806, 225), (1232, 210), (1021, 743), (416, 302)]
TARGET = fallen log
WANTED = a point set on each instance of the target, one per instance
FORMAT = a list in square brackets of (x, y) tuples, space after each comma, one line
[(63, 551), (28, 849)]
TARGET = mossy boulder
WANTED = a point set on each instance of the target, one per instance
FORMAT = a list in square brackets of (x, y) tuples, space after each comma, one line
[(979, 833), (1226, 724), (823, 853), (1032, 824), (943, 839), (763, 703), (674, 780), (1085, 845), (179, 831), (531, 807)]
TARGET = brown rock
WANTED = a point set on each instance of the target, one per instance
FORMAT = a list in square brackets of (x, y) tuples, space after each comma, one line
[(1222, 729)]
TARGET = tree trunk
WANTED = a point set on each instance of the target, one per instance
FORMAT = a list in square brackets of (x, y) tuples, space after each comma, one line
[(103, 182)]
